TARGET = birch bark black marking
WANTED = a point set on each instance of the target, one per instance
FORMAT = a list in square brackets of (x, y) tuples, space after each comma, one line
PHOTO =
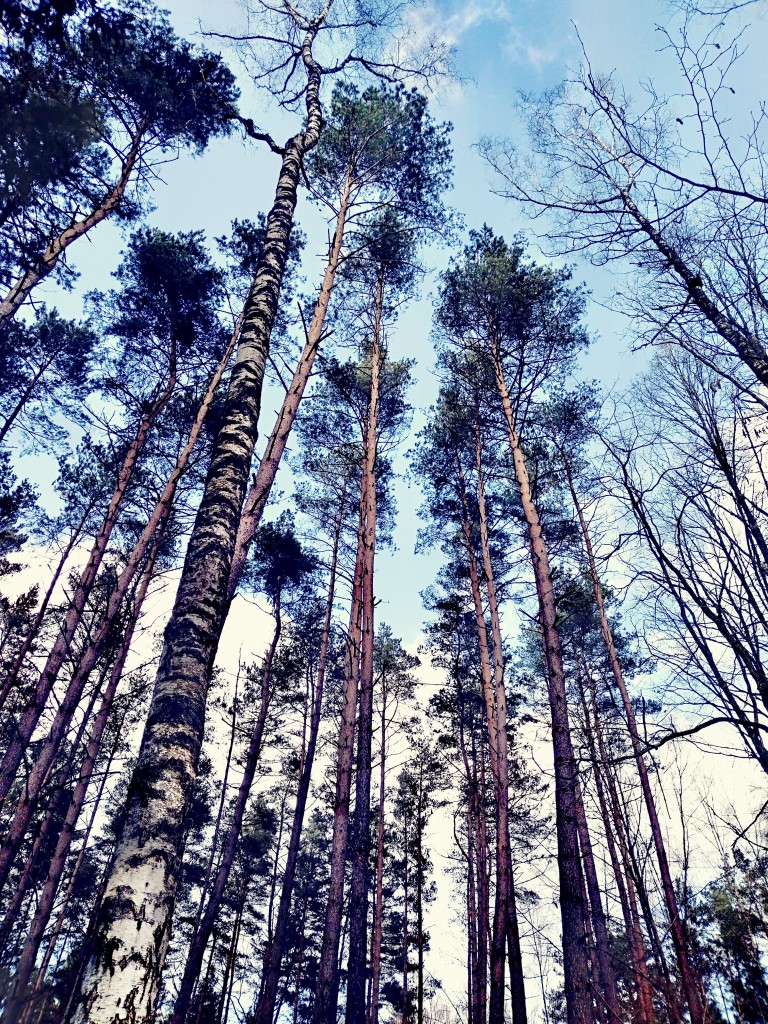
[(121, 981)]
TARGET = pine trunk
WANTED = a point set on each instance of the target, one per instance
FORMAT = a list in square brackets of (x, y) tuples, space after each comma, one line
[(204, 930), (572, 910), (360, 836), (26, 963), (33, 712), (265, 1007), (327, 984), (258, 495), (67, 706)]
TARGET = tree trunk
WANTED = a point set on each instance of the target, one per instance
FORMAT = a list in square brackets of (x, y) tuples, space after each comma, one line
[(26, 963), (608, 999), (746, 346), (575, 953), (154, 527), (378, 906), (264, 1012), (34, 629), (258, 495), (505, 893), (34, 710), (203, 932), (122, 978), (327, 984), (357, 962), (627, 898), (690, 983), (58, 246)]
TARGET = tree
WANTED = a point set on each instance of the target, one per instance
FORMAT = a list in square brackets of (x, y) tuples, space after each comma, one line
[(662, 189), (131, 91), (158, 797), (523, 322)]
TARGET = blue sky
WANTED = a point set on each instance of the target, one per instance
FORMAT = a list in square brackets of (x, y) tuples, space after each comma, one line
[(501, 47)]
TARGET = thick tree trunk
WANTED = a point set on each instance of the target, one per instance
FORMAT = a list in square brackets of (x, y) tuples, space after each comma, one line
[(67, 706), (327, 984), (575, 953), (58, 246), (33, 712), (258, 495), (121, 982), (360, 837), (26, 963), (204, 930), (264, 1012), (691, 984)]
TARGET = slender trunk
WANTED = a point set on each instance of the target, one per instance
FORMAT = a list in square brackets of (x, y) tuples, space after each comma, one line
[(327, 984), (420, 859), (627, 898), (24, 397), (26, 962), (499, 933), (229, 973), (34, 629), (31, 715), (58, 246), (690, 982), (483, 894), (505, 892), (747, 347), (220, 812), (378, 906), (608, 999), (203, 933), (154, 528), (258, 495), (265, 1007), (473, 1001), (360, 836), (126, 961), (632, 868), (575, 954), (406, 881)]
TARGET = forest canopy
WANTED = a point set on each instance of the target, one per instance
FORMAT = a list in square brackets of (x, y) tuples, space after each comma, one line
[(383, 513)]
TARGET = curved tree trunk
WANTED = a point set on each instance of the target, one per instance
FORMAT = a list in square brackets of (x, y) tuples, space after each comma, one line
[(122, 978)]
